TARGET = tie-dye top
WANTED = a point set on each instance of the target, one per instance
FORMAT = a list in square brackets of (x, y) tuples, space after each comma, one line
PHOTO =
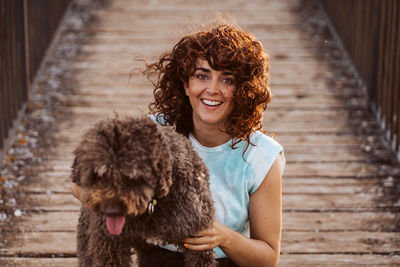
[(234, 177)]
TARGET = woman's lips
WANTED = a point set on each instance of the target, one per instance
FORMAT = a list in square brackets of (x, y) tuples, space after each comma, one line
[(211, 103)]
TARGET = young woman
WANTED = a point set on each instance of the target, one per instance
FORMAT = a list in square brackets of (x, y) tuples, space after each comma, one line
[(213, 86)]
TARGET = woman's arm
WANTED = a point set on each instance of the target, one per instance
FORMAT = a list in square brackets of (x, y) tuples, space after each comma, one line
[(265, 215)]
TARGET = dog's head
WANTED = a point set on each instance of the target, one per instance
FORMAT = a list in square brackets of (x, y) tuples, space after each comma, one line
[(121, 165)]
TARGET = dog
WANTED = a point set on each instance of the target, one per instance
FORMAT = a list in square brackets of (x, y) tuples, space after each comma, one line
[(142, 185)]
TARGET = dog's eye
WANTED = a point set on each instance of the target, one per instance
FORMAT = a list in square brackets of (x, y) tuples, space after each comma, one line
[(94, 179), (132, 183), (135, 182)]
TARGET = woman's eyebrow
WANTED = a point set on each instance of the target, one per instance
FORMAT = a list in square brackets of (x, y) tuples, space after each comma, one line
[(227, 73), (203, 69)]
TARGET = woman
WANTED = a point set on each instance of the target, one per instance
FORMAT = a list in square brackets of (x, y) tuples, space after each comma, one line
[(213, 86)]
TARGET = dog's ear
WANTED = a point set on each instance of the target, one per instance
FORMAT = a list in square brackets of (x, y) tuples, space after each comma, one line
[(75, 177), (81, 174), (82, 169)]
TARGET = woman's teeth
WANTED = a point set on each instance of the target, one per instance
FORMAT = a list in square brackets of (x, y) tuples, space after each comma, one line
[(211, 103)]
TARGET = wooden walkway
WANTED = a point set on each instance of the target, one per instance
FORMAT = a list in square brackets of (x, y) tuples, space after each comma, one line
[(339, 176)]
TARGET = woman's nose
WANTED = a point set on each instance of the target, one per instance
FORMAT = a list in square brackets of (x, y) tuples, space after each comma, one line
[(213, 86)]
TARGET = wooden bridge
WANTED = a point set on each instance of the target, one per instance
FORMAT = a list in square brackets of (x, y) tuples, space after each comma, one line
[(339, 201)]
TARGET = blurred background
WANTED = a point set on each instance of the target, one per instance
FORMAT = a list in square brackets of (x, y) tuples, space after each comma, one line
[(335, 68)]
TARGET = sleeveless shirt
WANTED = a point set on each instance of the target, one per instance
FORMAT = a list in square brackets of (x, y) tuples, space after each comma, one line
[(234, 176)]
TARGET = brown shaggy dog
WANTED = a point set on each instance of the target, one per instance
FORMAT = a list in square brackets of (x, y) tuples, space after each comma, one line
[(140, 182)]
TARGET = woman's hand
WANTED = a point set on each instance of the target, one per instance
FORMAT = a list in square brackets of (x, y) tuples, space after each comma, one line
[(215, 236)]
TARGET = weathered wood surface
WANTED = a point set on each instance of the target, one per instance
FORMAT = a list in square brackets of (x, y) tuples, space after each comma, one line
[(337, 211), (63, 243), (293, 221)]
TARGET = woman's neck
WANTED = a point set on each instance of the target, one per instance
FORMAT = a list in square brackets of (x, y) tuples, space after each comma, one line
[(210, 137)]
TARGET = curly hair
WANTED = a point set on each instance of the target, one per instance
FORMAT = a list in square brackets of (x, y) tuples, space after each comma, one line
[(225, 47)]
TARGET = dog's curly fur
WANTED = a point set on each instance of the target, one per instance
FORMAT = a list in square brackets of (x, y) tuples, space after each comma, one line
[(123, 164)]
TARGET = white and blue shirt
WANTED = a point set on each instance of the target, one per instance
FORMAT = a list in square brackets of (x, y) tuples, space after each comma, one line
[(234, 176)]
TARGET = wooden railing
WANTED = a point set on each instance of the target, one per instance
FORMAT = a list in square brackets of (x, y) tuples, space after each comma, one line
[(370, 32), (26, 30)]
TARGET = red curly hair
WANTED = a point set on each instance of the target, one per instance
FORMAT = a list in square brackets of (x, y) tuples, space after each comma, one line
[(225, 47)]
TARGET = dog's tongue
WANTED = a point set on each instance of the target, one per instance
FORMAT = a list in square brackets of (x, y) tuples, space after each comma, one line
[(115, 224)]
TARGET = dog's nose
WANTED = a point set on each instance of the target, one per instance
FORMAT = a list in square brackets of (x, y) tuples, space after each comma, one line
[(114, 208)]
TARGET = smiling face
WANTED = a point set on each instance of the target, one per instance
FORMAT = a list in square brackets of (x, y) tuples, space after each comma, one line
[(210, 94)]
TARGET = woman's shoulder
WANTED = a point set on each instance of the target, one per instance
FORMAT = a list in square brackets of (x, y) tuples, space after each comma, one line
[(260, 140), (262, 154), (265, 150)]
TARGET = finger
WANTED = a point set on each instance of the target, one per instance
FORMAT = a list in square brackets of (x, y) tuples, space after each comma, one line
[(205, 232), (202, 233), (199, 247), (200, 240)]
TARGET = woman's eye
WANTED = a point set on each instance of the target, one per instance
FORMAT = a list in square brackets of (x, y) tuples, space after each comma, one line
[(201, 76), (228, 80)]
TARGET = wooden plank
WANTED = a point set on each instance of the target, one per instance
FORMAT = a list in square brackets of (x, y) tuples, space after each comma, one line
[(330, 153), (301, 169), (138, 82), (62, 221), (269, 45), (49, 202), (291, 202), (320, 126), (284, 260), (333, 202), (35, 262), (131, 48), (283, 103), (61, 184), (66, 221), (340, 221), (208, 5), (138, 89), (291, 185), (349, 260), (48, 185), (294, 152), (127, 17), (123, 81), (327, 139), (48, 244), (61, 243), (122, 77), (354, 119), (116, 68), (271, 116), (341, 169), (90, 114), (286, 139), (340, 242), (131, 91), (176, 33), (329, 186)]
